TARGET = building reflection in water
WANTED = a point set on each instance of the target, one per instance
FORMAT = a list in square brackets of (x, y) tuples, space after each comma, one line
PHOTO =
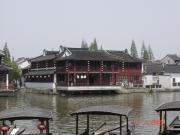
[(143, 105)]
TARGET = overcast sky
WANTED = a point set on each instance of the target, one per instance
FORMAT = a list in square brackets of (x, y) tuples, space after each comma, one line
[(29, 26)]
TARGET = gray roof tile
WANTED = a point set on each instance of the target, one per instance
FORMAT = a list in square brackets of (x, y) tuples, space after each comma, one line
[(172, 68)]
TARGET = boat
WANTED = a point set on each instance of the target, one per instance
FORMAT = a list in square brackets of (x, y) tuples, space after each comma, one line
[(10, 117), (120, 112), (174, 127)]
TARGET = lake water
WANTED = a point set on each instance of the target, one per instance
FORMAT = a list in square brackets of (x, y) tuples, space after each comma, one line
[(143, 116)]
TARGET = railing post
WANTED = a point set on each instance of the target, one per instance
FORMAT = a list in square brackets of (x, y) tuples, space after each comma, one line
[(120, 124), (7, 81), (165, 117), (88, 124), (160, 130), (76, 124), (127, 125), (47, 124)]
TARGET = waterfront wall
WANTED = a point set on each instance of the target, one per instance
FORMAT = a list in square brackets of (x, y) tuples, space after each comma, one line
[(41, 86)]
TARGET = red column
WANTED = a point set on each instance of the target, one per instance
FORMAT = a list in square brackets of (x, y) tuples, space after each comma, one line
[(88, 63), (101, 72)]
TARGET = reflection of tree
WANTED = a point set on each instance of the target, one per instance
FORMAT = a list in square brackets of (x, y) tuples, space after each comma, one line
[(7, 102)]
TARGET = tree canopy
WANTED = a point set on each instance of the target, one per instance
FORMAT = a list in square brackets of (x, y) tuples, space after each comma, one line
[(143, 48), (146, 55), (15, 72), (93, 46), (133, 50), (150, 52), (84, 44), (7, 56)]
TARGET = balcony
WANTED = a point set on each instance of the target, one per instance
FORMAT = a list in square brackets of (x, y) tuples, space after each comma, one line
[(131, 71)]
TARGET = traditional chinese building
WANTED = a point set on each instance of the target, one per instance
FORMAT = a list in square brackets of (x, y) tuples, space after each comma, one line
[(42, 72), (81, 68)]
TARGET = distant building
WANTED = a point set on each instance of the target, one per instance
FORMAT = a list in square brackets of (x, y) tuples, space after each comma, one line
[(71, 67), (41, 74), (171, 78), (162, 76), (24, 65), (170, 59), (151, 75), (22, 62)]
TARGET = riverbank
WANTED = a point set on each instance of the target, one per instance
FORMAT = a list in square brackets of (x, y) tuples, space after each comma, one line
[(118, 90), (39, 91)]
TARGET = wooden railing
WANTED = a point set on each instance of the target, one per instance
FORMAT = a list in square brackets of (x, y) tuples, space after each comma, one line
[(84, 84), (130, 71), (85, 69)]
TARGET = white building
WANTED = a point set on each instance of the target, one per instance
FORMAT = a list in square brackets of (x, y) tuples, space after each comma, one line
[(159, 76), (23, 62), (171, 82), (24, 65), (170, 59), (151, 75), (171, 78)]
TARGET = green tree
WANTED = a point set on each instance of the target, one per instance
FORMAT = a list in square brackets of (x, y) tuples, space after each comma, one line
[(15, 73), (84, 44), (101, 48), (93, 46), (7, 56), (133, 50), (126, 51), (146, 55), (150, 53), (143, 48)]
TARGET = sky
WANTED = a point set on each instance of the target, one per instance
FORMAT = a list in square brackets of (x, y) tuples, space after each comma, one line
[(29, 26)]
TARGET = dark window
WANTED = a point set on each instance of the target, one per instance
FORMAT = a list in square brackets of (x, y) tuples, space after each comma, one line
[(174, 80), (179, 84), (174, 84)]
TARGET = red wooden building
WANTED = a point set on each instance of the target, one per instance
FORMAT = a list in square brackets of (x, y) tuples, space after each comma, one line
[(70, 67), (81, 67)]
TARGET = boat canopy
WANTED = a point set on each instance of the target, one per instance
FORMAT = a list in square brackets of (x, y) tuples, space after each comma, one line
[(105, 110), (25, 113), (170, 106)]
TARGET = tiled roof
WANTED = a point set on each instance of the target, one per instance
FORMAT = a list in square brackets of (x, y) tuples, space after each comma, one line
[(174, 57), (172, 68), (85, 54), (153, 68), (77, 49), (78, 54), (122, 56), (41, 72), (51, 52), (4, 67), (43, 58), (21, 60)]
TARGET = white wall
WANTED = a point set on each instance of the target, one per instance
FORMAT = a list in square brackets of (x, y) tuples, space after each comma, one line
[(150, 80), (165, 81), (24, 64), (35, 85)]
